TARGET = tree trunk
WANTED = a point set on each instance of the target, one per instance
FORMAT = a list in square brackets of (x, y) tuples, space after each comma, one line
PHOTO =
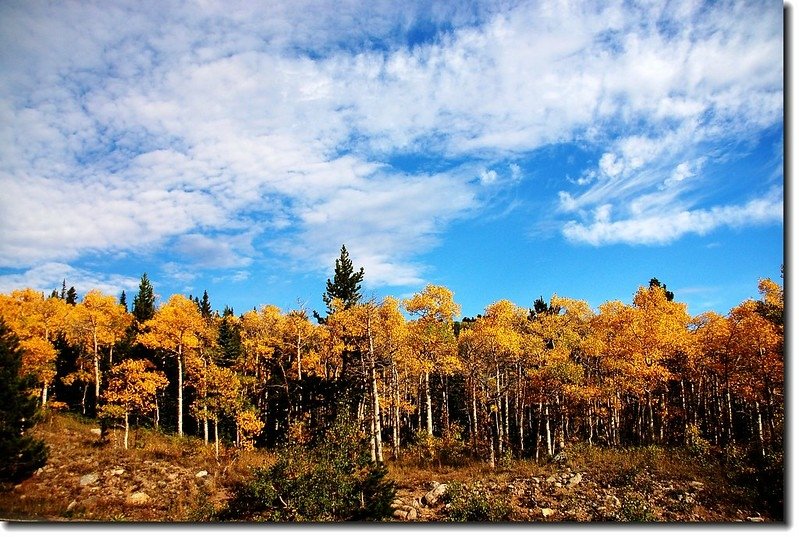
[(205, 424), (376, 430), (180, 390), (759, 422), (216, 437), (96, 371), (473, 420), (428, 403), (397, 429), (550, 451), (127, 428)]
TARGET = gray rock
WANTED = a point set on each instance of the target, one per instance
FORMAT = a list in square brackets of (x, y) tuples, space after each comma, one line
[(411, 514), (96, 432), (88, 479), (117, 471), (434, 496), (201, 473), (546, 512), (575, 480)]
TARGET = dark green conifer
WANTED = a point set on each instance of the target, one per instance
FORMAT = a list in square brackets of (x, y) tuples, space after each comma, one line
[(144, 301), (20, 453)]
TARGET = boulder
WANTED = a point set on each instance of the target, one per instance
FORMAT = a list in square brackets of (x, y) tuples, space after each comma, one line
[(201, 473), (434, 496), (96, 432), (576, 479), (546, 512)]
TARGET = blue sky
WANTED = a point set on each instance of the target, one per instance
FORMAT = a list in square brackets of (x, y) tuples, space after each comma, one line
[(504, 150)]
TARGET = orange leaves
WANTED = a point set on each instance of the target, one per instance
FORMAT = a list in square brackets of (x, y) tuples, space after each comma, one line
[(431, 338), (177, 325), (36, 321), (434, 302), (132, 387)]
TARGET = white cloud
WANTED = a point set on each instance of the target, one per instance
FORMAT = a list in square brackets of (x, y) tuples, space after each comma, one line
[(197, 120), (668, 226), (49, 276), (488, 177)]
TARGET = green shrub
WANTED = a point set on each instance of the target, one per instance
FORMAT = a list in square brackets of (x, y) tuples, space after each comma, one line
[(333, 480), (634, 508), (464, 505)]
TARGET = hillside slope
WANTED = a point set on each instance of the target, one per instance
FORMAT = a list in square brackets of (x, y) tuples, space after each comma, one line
[(166, 478)]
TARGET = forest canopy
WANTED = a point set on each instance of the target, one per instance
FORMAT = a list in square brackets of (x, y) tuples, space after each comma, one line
[(512, 382)]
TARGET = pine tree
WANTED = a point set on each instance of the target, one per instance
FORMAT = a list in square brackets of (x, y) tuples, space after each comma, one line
[(71, 296), (346, 284), (205, 306), (229, 339), (64, 289), (144, 301), (20, 454), (123, 300), (654, 283)]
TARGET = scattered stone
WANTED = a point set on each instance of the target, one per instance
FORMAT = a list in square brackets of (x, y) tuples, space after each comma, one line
[(412, 514), (696, 485), (560, 457), (88, 479), (117, 471), (754, 518), (139, 498), (535, 480), (96, 432), (546, 512), (72, 505), (201, 473), (551, 479), (575, 480), (400, 514), (434, 496)]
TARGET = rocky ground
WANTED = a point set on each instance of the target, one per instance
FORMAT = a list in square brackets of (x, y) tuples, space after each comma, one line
[(85, 479)]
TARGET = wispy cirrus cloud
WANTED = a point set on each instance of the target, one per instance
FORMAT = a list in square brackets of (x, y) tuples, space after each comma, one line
[(185, 125)]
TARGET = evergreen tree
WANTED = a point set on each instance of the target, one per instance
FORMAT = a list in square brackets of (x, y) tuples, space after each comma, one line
[(20, 454), (123, 300), (144, 301), (71, 296), (229, 339), (654, 283), (64, 289), (346, 284), (205, 306)]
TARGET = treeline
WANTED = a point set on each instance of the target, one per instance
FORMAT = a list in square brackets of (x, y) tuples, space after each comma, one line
[(512, 382)]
